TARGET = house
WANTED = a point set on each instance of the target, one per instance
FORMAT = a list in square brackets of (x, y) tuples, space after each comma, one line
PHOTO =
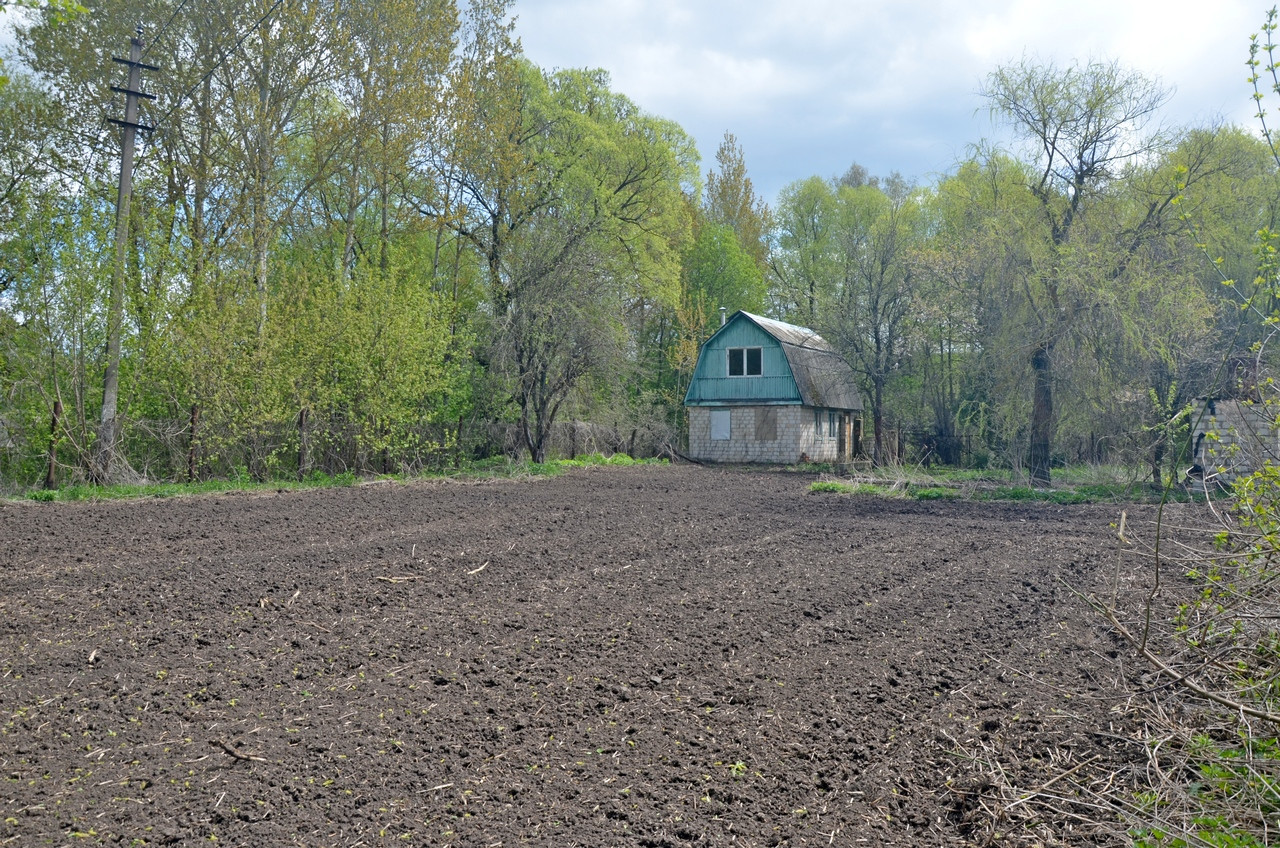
[(767, 391)]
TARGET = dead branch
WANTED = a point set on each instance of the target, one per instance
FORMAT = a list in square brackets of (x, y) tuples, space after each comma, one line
[(231, 751), (1185, 679)]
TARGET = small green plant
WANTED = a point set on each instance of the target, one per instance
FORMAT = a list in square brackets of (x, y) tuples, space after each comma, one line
[(1012, 493), (933, 493)]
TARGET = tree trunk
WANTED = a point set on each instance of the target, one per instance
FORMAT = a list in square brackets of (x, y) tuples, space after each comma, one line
[(348, 260), (384, 185), (200, 194), (304, 444), (877, 422), (261, 251), (534, 436), (51, 477), (263, 164), (537, 445), (1041, 415)]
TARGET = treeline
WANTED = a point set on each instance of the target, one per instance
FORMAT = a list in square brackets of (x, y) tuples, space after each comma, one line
[(1063, 301), (375, 237)]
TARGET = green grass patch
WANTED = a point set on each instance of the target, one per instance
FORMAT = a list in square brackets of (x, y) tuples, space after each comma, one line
[(621, 459), (499, 467), (834, 487), (814, 467), (1010, 493)]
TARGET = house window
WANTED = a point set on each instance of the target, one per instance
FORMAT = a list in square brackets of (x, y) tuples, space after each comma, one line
[(719, 425), (817, 423), (745, 362), (831, 424)]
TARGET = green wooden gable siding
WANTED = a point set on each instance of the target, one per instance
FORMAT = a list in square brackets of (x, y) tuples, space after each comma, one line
[(712, 385)]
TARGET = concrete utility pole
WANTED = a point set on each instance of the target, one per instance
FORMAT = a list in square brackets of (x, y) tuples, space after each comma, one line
[(109, 429)]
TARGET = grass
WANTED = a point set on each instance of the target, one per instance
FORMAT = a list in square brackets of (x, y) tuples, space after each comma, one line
[(498, 467)]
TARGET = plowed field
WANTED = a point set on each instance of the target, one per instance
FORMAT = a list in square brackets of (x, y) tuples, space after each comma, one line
[(653, 656)]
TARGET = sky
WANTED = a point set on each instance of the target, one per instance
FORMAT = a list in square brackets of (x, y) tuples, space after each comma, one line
[(809, 87)]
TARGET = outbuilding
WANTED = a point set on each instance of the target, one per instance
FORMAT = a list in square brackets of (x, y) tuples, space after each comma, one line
[(768, 391), (1231, 438)]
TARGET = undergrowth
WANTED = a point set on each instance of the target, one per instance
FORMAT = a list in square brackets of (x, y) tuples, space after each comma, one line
[(975, 489)]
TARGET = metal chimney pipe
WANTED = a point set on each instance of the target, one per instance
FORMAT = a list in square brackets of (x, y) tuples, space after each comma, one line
[(724, 315)]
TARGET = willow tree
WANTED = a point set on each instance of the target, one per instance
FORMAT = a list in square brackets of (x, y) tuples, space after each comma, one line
[(1081, 126)]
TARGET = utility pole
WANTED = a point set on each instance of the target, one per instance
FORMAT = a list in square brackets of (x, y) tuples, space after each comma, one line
[(109, 429)]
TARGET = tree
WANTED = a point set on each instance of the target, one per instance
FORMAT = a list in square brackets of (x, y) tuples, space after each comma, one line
[(351, 190), (801, 261), (604, 230), (398, 56), (62, 8), (720, 274), (562, 327), (1081, 125), (731, 201), (842, 266), (871, 310), (27, 154)]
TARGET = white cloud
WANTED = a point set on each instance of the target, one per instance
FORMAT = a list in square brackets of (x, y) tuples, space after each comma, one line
[(810, 85)]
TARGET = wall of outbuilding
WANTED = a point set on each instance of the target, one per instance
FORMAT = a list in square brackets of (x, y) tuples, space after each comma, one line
[(1233, 438)]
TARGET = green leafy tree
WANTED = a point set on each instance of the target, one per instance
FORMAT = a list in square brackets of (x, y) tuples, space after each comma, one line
[(720, 274), (609, 236), (802, 262), (842, 265)]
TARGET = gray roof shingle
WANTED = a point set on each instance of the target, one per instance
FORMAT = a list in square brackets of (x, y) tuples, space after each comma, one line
[(823, 377)]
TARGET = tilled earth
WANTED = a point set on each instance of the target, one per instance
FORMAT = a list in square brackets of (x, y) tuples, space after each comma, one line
[(653, 656)]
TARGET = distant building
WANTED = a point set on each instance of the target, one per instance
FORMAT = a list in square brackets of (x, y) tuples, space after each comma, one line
[(767, 391)]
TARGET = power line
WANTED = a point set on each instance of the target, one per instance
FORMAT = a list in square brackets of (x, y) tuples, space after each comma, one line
[(164, 29)]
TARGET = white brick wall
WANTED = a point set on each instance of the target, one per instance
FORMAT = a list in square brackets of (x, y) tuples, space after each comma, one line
[(795, 436)]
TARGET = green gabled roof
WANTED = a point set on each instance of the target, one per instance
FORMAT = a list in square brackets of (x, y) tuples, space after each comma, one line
[(822, 378)]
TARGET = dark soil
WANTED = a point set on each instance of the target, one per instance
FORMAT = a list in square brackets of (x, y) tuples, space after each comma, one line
[(655, 656)]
